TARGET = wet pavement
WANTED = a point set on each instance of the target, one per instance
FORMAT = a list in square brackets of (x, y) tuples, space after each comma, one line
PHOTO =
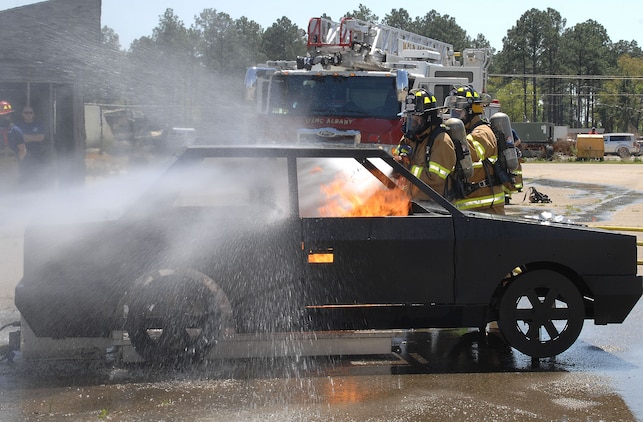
[(592, 203), (437, 375)]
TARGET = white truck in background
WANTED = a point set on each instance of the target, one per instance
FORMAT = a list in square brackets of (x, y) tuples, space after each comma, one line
[(622, 144)]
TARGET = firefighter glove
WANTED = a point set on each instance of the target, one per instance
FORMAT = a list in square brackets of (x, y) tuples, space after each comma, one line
[(404, 150)]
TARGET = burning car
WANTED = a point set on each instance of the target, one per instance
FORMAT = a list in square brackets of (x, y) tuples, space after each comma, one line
[(260, 240)]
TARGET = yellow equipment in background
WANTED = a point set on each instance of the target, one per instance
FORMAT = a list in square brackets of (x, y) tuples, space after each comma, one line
[(589, 146)]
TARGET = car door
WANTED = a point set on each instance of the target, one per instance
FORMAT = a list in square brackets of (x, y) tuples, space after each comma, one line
[(379, 260), (610, 147), (354, 259)]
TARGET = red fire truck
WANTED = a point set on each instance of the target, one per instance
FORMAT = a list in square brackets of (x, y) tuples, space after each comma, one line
[(348, 88)]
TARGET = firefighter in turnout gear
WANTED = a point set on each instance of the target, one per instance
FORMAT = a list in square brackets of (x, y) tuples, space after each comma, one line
[(484, 191), (426, 147)]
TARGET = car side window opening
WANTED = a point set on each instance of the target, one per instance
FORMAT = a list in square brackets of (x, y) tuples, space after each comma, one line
[(245, 182), (342, 187)]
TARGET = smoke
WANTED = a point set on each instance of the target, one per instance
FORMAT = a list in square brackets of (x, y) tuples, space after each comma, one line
[(99, 200)]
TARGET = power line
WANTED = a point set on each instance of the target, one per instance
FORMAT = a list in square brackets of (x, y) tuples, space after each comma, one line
[(545, 76), (585, 94)]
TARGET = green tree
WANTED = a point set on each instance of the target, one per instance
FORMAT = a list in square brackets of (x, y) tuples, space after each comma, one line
[(399, 18), (631, 48), (283, 40), (510, 94), (514, 60), (587, 54), (442, 28), (480, 41), (248, 46), (363, 13), (110, 39), (216, 36), (225, 48), (171, 35), (551, 88), (105, 82), (621, 100), (530, 48), (163, 67)]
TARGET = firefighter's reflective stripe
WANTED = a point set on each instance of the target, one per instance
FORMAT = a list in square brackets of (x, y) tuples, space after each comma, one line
[(516, 186), (518, 174), (417, 171), (480, 164), (440, 171), (435, 168), (510, 191), (478, 147), (481, 153), (481, 201)]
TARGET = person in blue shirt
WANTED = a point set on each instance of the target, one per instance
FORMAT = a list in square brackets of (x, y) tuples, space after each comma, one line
[(36, 175)]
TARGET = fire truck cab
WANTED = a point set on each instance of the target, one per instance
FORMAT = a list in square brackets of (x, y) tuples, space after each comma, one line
[(349, 88)]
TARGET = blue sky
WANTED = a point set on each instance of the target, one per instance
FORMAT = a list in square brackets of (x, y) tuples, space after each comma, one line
[(133, 19)]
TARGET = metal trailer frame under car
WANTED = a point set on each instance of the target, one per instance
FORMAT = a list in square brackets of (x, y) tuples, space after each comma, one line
[(232, 246)]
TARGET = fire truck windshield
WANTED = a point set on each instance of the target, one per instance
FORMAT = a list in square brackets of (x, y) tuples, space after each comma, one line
[(332, 95)]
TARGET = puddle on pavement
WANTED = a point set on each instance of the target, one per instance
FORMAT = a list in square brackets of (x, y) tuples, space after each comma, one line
[(435, 373), (599, 201)]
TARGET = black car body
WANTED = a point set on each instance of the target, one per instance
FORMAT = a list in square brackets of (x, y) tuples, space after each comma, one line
[(249, 240)]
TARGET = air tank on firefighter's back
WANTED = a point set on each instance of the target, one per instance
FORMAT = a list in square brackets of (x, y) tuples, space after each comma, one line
[(459, 134), (501, 125)]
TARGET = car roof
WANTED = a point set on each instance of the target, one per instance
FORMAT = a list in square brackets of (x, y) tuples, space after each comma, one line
[(285, 150)]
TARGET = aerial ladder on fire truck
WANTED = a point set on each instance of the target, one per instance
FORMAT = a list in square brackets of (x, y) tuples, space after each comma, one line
[(362, 45), (356, 39)]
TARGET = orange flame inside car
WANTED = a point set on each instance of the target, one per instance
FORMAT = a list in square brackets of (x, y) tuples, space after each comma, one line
[(378, 202)]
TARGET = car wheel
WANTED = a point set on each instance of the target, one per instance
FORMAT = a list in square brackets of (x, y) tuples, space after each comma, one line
[(541, 313), (623, 152), (176, 315)]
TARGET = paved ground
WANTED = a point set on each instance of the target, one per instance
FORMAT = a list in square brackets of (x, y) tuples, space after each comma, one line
[(613, 189)]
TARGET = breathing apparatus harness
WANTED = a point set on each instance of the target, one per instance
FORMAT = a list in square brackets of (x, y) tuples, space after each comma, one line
[(461, 184), (498, 172)]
